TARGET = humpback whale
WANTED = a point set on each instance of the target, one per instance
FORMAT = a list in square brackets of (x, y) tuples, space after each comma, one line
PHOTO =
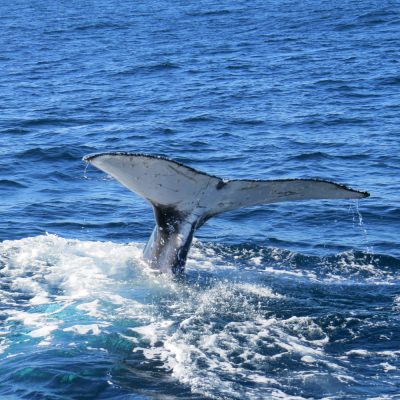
[(183, 199)]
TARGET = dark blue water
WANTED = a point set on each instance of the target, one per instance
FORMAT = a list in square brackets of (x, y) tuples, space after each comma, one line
[(291, 300)]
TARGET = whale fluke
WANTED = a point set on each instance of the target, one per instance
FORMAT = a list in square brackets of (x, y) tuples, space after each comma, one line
[(184, 198)]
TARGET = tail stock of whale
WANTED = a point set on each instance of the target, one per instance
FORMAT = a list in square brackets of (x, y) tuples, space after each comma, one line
[(183, 198)]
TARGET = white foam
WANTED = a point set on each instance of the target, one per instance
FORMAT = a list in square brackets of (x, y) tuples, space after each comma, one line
[(92, 329), (345, 378), (280, 395), (91, 308), (78, 268), (206, 356), (396, 303), (308, 359), (26, 318), (257, 378), (151, 331), (80, 274), (366, 353), (357, 352), (43, 331), (205, 335), (256, 260), (388, 353), (387, 367), (259, 291)]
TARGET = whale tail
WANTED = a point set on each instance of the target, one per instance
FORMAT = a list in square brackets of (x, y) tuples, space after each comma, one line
[(184, 198)]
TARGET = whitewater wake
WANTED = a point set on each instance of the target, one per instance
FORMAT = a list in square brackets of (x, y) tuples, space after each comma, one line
[(245, 323)]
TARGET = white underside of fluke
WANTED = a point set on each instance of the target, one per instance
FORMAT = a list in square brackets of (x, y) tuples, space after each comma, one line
[(183, 198)]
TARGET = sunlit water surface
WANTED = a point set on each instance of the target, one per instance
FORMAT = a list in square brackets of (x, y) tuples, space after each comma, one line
[(283, 301)]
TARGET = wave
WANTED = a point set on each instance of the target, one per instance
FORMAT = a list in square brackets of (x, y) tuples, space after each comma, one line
[(319, 155), (107, 25), (389, 80), (246, 321), (247, 121), (348, 267), (148, 68), (198, 118), (7, 183), (209, 13), (35, 122), (316, 155), (52, 153)]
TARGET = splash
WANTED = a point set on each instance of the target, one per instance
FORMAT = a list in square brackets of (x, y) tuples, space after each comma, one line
[(358, 219), (245, 323)]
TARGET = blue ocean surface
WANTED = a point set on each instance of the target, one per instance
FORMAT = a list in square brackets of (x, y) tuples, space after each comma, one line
[(296, 300)]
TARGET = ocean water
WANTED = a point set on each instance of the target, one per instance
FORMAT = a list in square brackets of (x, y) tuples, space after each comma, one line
[(283, 301)]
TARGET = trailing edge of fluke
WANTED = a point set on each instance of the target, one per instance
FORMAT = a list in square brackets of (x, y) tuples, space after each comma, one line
[(183, 199)]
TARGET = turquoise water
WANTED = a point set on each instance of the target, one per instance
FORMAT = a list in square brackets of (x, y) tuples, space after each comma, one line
[(290, 300)]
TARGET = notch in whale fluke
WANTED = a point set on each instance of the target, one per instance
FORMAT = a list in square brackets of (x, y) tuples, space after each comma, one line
[(184, 198)]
